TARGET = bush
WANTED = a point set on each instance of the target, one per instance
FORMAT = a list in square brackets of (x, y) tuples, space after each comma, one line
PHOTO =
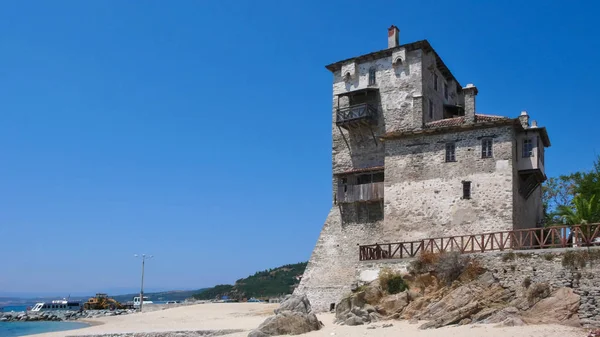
[(549, 256), (391, 282), (450, 266), (575, 259), (527, 282), (523, 255), (472, 270), (508, 257), (424, 263)]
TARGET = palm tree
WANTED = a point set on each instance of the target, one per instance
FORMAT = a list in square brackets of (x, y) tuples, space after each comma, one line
[(581, 212)]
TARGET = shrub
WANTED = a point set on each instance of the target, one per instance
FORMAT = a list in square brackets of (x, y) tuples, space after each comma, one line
[(574, 259), (549, 256), (424, 263), (473, 270), (450, 266), (508, 257), (391, 282), (527, 282)]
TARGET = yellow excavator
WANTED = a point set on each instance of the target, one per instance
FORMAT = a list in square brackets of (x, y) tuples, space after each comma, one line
[(101, 302)]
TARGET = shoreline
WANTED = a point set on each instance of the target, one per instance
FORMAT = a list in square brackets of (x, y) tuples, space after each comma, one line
[(245, 317)]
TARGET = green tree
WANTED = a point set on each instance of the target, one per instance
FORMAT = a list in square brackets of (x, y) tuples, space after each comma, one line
[(582, 211), (587, 184)]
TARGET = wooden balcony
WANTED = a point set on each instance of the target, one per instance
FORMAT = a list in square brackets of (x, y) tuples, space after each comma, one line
[(360, 193), (356, 115)]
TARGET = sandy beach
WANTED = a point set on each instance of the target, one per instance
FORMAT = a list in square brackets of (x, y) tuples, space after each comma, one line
[(247, 316)]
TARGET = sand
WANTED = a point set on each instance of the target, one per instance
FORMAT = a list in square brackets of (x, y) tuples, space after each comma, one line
[(248, 316)]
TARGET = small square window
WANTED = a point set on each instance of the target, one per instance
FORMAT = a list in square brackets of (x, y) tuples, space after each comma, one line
[(466, 189), (527, 147), (486, 148), (435, 82), (450, 152)]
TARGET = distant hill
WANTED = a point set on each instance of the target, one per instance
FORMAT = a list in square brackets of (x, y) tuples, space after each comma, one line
[(172, 295), (268, 283)]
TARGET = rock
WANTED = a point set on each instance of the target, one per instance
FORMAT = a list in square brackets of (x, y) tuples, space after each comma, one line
[(464, 321), (372, 327), (295, 303), (355, 305), (511, 321), (452, 317), (389, 325), (287, 323), (501, 315), (257, 333), (293, 317), (394, 303), (561, 307), (354, 320)]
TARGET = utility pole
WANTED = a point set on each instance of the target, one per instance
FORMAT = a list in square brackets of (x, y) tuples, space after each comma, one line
[(144, 257)]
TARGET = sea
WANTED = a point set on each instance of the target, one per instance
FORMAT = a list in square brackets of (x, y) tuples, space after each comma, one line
[(15, 329)]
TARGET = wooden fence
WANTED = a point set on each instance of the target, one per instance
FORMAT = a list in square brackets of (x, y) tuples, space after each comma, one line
[(534, 238)]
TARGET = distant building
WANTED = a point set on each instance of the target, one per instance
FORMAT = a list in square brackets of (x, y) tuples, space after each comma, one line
[(414, 159)]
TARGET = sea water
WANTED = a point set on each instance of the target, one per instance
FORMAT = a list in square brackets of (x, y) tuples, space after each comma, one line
[(14, 329)]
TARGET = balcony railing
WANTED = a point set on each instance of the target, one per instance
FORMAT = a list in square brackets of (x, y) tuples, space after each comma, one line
[(359, 193), (356, 114), (534, 238)]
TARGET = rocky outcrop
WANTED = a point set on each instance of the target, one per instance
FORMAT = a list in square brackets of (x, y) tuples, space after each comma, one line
[(293, 317), (59, 315), (359, 308), (561, 306)]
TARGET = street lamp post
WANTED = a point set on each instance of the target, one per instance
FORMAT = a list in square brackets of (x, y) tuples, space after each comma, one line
[(144, 257)]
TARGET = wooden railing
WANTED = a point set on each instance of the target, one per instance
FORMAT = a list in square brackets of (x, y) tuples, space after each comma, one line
[(358, 112), (534, 238), (363, 192)]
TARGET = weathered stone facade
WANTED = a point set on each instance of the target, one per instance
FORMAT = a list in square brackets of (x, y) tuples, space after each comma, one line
[(396, 113)]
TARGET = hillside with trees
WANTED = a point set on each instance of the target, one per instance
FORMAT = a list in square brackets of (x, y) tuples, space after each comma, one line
[(267, 283)]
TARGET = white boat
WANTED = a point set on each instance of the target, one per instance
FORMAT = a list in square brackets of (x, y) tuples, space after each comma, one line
[(136, 301), (57, 305)]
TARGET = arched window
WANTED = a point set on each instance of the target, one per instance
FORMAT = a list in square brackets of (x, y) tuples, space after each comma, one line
[(372, 73)]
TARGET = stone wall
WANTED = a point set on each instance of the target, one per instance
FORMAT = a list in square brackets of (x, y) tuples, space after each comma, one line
[(331, 269), (512, 269), (424, 194)]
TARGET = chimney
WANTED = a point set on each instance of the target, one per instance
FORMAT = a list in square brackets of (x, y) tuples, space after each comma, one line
[(470, 91), (524, 119), (393, 37)]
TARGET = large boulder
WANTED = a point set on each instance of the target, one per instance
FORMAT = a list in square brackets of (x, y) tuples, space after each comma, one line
[(287, 323), (293, 317), (295, 303)]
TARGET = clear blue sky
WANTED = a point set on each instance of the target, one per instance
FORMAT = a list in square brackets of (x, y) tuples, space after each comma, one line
[(200, 131)]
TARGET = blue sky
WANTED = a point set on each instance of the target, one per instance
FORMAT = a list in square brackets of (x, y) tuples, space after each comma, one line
[(199, 131)]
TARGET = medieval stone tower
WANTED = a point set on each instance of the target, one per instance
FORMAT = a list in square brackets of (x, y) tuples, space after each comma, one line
[(412, 159)]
